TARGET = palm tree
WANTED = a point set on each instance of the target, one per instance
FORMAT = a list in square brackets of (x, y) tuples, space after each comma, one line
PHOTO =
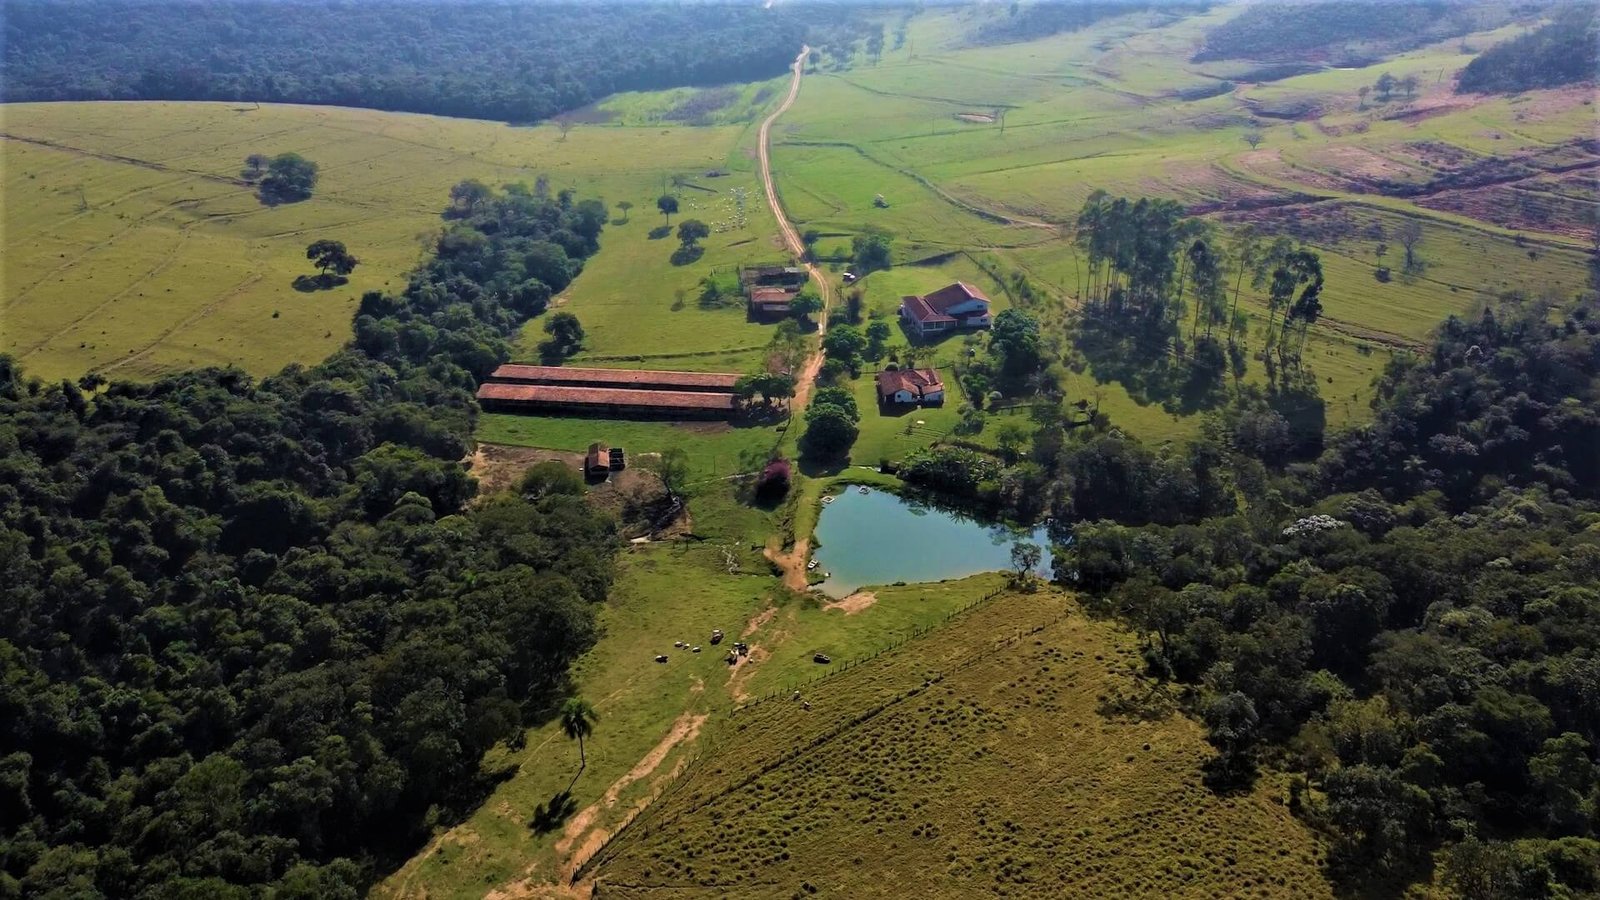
[(577, 722)]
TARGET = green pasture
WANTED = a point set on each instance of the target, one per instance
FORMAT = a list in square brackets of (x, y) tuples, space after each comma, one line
[(729, 105), (714, 449), (132, 248), (635, 303), (664, 592)]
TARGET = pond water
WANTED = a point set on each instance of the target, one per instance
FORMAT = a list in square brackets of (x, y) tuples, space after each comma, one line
[(880, 538)]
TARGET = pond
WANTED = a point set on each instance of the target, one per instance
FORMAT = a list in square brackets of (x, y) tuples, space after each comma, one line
[(881, 538)]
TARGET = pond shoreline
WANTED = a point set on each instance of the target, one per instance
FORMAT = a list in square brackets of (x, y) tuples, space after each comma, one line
[(869, 536)]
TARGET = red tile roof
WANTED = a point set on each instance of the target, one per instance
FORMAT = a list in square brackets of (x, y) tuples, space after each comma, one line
[(771, 296), (918, 381), (952, 295), (621, 378), (593, 396), (922, 312)]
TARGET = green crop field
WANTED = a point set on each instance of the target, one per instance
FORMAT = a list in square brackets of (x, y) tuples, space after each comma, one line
[(988, 757)]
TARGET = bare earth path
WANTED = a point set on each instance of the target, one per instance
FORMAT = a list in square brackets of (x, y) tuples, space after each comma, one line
[(791, 238)]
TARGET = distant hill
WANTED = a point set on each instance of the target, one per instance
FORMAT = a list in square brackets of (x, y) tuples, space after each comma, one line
[(515, 62), (1344, 30), (1563, 52), (1043, 19)]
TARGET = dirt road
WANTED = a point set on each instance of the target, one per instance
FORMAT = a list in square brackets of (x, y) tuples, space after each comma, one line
[(807, 375)]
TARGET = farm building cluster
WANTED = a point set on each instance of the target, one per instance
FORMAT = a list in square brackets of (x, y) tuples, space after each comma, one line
[(622, 393), (769, 289)]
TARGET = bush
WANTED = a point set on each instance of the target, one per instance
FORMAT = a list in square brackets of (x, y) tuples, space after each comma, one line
[(830, 431), (773, 484), (954, 470)]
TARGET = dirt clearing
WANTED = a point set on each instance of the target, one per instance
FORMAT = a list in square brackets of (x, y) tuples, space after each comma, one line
[(854, 603)]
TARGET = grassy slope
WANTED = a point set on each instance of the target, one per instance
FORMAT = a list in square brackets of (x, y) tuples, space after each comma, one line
[(904, 779), (163, 261), (664, 592)]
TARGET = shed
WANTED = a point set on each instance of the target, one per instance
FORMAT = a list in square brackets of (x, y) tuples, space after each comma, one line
[(597, 462)]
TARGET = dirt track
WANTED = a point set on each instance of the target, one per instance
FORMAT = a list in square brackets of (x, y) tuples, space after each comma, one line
[(791, 238)]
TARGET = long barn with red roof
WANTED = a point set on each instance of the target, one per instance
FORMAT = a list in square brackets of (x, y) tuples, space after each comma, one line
[(620, 393)]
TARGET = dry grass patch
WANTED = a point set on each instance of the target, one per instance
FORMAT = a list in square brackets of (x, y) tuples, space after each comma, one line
[(902, 779)]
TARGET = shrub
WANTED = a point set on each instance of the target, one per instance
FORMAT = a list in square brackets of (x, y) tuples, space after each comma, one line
[(773, 484)]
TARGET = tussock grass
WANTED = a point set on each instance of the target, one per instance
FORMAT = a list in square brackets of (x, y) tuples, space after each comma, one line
[(975, 761)]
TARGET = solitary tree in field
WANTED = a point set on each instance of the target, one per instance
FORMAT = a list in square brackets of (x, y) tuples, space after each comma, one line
[(1365, 90), (1409, 234), (331, 255), (1409, 85), (577, 722), (255, 165), (566, 335), (672, 467), (692, 232), (564, 124), (668, 205), (624, 205), (1385, 85), (290, 178), (1024, 560), (1254, 137)]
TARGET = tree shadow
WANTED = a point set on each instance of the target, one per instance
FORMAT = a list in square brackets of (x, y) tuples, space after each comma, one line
[(1153, 705), (813, 467), (550, 815), (659, 232), (1228, 778), (1141, 360), (687, 254), (327, 281)]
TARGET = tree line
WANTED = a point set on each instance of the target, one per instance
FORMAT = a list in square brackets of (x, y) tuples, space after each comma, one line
[(490, 60), (1410, 622), (256, 638), (1566, 51), (1291, 31), (1158, 281)]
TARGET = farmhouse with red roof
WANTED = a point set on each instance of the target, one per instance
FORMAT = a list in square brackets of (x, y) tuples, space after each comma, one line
[(950, 308), (920, 386)]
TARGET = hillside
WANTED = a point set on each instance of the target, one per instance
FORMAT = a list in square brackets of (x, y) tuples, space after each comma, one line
[(901, 777), (140, 251), (1342, 29), (1562, 52)]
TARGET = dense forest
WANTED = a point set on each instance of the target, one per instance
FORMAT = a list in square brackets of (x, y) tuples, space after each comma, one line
[(256, 642), (496, 60), (1566, 51), (1347, 32), (1410, 621), (1026, 22)]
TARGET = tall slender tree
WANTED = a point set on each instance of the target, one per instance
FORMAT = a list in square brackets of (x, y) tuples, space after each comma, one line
[(577, 722)]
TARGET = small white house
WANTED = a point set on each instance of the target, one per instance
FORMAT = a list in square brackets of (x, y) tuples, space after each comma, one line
[(922, 387)]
